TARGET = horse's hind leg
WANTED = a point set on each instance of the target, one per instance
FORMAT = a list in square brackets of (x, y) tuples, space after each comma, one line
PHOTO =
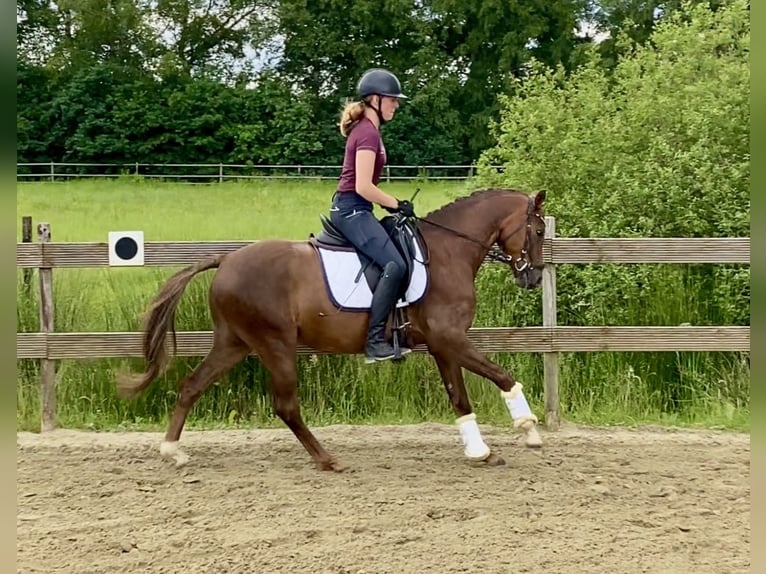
[(279, 358), (227, 351), (475, 448)]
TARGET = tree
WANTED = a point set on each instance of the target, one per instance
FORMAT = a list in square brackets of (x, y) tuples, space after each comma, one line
[(459, 54), (489, 43), (213, 37), (163, 37), (33, 96), (36, 24), (88, 32), (635, 19), (658, 147), (453, 58)]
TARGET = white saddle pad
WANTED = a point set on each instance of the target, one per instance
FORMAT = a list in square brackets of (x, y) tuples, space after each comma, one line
[(342, 268)]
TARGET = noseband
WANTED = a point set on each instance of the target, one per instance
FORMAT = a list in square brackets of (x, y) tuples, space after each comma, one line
[(495, 251)]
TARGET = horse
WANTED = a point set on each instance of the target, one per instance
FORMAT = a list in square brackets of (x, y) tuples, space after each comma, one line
[(265, 298)]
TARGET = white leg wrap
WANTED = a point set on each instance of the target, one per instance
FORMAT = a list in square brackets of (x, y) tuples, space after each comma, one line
[(170, 450), (518, 406), (475, 448), (522, 415)]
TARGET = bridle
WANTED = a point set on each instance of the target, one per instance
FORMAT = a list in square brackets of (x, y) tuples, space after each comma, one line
[(495, 251), (523, 262)]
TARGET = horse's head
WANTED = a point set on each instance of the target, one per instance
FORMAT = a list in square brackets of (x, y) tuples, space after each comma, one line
[(521, 238)]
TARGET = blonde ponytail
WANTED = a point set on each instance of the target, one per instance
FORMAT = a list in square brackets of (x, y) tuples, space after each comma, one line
[(352, 113)]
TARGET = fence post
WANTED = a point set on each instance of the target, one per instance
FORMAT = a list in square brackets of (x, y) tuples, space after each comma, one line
[(220, 173), (26, 237), (47, 366), (53, 172), (550, 360)]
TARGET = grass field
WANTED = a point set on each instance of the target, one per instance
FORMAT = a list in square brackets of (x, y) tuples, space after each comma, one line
[(703, 389), (87, 210)]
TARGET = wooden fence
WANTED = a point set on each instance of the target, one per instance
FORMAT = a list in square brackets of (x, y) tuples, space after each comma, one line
[(47, 346)]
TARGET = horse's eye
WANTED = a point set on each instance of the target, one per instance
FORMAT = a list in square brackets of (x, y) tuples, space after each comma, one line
[(540, 232)]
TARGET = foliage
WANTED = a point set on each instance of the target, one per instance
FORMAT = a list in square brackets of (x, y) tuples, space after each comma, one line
[(635, 19), (224, 78), (658, 147)]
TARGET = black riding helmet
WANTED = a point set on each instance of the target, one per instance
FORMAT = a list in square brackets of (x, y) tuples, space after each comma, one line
[(381, 82), (378, 81)]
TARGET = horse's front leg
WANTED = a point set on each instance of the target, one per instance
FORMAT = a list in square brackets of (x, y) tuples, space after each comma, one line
[(475, 447), (511, 390)]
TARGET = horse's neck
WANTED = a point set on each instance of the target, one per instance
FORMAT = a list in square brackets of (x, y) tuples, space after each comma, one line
[(481, 226)]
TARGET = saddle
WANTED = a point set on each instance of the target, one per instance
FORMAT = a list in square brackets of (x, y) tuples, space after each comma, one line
[(406, 237)]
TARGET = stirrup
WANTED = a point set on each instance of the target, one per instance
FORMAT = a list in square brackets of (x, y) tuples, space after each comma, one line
[(396, 354), (402, 351), (401, 324)]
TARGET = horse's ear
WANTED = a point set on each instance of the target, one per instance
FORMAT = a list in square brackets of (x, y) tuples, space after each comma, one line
[(539, 198)]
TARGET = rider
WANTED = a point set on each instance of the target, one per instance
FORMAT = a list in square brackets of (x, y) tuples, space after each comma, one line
[(379, 93)]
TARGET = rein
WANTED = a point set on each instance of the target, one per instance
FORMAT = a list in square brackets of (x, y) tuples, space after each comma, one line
[(495, 251)]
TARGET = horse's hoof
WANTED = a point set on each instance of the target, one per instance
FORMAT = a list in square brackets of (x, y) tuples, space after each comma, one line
[(171, 450), (533, 439), (494, 460), (333, 464)]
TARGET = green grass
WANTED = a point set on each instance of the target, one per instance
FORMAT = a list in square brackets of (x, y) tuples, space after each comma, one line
[(687, 389), (88, 210)]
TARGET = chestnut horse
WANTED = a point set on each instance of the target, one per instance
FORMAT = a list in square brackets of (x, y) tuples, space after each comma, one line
[(265, 298)]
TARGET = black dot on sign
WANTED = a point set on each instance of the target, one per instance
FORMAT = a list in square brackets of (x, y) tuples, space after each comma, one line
[(126, 248)]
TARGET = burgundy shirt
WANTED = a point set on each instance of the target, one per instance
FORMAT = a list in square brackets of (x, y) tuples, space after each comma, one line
[(364, 135)]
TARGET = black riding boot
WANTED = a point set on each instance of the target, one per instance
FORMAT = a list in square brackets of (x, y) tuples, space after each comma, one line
[(383, 300)]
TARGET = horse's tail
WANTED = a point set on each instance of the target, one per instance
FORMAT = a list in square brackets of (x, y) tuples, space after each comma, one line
[(158, 321)]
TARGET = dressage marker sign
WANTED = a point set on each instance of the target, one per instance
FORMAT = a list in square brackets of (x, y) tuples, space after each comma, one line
[(126, 248)]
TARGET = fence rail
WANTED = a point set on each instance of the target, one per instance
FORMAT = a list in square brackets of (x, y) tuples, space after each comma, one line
[(220, 172), (486, 339), (555, 251), (48, 346)]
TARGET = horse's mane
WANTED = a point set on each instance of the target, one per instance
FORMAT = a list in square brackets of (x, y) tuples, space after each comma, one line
[(467, 200)]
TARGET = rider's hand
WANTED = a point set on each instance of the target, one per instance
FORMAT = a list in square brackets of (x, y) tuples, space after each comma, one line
[(405, 207)]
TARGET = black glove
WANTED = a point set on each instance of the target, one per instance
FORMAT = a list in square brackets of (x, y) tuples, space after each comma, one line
[(405, 207)]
